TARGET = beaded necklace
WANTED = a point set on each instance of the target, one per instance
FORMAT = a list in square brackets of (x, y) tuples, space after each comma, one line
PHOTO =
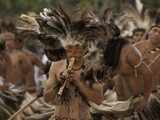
[(153, 51)]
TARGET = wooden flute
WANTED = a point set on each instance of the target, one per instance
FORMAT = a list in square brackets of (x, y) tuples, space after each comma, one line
[(69, 68)]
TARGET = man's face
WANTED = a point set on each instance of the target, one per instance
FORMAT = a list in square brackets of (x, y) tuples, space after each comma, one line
[(10, 44), (74, 51), (9, 39), (154, 35), (138, 36)]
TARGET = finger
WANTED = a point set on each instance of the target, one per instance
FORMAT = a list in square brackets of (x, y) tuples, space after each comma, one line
[(71, 77), (71, 74)]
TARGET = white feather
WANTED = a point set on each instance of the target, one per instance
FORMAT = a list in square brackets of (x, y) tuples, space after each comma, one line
[(139, 6)]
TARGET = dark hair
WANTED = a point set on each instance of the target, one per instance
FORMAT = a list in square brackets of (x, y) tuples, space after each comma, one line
[(112, 52), (139, 30), (115, 30), (55, 54), (7, 25), (156, 25)]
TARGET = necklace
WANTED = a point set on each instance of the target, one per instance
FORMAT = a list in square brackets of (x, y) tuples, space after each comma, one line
[(154, 50)]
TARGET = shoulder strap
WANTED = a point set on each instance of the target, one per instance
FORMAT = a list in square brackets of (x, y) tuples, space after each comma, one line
[(140, 55)]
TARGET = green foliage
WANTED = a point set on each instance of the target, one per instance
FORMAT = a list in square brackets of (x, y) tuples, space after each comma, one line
[(86, 3), (152, 3)]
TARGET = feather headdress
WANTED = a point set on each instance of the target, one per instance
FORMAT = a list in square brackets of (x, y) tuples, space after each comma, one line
[(56, 29), (134, 16)]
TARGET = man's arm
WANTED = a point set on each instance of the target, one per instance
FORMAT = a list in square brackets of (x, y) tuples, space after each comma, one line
[(49, 93), (35, 60), (94, 93)]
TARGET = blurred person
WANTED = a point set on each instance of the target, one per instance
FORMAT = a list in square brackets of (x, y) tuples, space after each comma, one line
[(138, 34), (21, 70)]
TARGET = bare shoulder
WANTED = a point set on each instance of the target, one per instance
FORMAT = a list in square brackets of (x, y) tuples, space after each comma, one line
[(59, 63), (132, 55), (142, 45), (139, 44)]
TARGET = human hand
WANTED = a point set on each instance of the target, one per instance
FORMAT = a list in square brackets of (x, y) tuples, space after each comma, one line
[(63, 76), (74, 76)]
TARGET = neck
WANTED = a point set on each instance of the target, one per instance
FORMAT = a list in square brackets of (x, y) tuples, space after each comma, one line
[(154, 45)]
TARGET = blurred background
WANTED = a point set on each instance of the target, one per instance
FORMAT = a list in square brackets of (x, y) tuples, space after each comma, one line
[(16, 7), (12, 9)]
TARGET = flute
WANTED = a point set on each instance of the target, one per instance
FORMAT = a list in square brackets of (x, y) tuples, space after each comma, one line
[(69, 68)]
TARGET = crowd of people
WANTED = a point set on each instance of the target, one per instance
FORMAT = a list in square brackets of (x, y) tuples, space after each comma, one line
[(95, 73)]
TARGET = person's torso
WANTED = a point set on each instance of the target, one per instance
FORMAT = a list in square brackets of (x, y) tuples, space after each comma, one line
[(76, 108), (126, 79), (19, 68), (151, 56)]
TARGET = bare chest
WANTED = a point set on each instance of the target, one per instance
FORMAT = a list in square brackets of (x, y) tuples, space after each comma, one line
[(151, 56)]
